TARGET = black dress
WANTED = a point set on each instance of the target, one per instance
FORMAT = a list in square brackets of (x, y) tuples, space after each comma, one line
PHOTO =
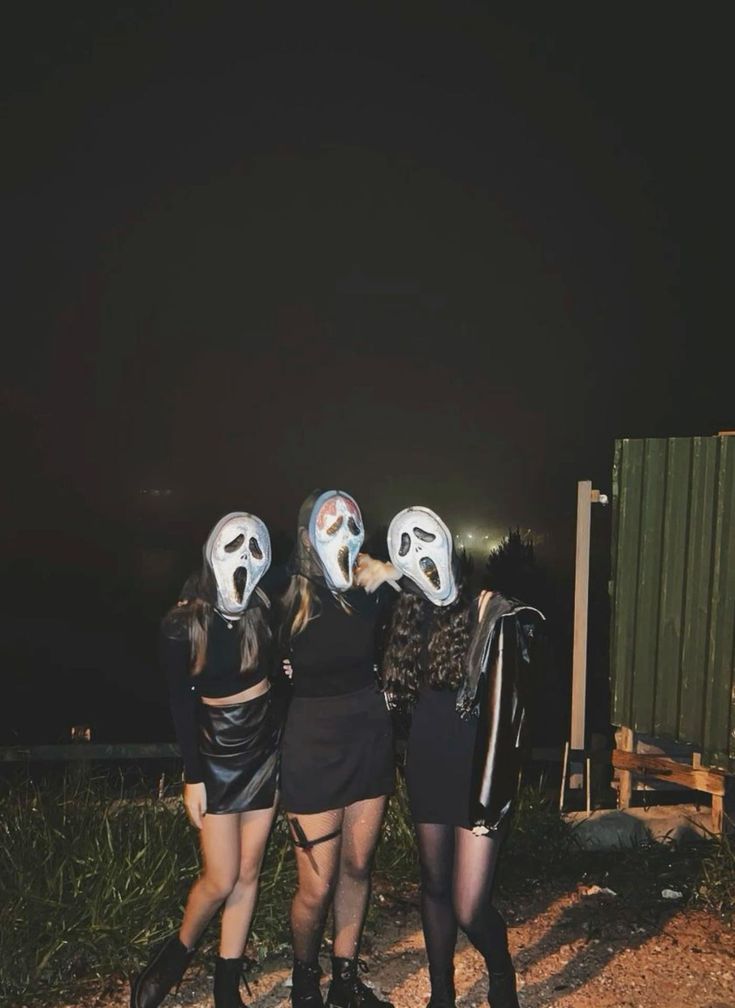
[(439, 759), (337, 745)]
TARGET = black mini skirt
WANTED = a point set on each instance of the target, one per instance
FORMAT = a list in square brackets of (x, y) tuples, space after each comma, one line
[(336, 750), (238, 744)]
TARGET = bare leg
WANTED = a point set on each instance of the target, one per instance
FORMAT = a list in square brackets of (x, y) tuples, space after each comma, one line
[(360, 833), (237, 914), (317, 868), (220, 844)]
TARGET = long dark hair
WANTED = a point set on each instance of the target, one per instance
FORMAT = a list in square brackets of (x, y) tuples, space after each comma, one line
[(193, 619), (446, 630)]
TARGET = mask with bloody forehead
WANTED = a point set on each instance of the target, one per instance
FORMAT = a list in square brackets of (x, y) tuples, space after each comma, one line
[(336, 534)]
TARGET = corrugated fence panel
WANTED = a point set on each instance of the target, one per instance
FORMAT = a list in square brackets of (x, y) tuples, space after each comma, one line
[(626, 483), (673, 591), (719, 722), (648, 584), (698, 592), (673, 567)]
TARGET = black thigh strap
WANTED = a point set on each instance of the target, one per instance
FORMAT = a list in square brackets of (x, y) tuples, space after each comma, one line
[(301, 840)]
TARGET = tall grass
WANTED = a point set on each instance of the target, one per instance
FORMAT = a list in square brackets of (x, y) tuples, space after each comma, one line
[(88, 881)]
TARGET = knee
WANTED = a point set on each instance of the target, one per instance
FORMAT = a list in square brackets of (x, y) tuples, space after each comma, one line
[(216, 885), (249, 873), (435, 887), (356, 869), (314, 896)]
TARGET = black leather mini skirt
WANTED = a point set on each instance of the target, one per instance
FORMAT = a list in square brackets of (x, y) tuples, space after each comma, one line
[(239, 754)]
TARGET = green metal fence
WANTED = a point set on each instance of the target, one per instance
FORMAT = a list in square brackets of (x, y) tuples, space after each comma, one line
[(673, 591)]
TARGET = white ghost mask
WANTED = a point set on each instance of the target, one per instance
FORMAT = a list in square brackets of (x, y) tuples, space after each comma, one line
[(239, 552), (336, 533), (420, 547)]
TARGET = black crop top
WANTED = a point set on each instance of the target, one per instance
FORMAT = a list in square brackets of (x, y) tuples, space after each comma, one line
[(336, 652), (220, 677)]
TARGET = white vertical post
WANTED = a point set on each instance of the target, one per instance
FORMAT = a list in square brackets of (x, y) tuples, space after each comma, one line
[(581, 603)]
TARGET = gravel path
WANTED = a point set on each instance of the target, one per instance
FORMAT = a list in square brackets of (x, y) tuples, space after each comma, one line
[(572, 950)]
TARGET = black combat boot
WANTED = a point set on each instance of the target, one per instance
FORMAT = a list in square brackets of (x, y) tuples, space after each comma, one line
[(502, 990), (163, 971), (227, 976), (347, 990), (442, 989), (305, 992)]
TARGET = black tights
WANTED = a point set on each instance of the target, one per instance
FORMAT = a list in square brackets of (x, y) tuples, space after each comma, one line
[(335, 871), (457, 872)]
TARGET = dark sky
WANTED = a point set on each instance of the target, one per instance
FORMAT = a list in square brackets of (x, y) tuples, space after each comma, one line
[(429, 254)]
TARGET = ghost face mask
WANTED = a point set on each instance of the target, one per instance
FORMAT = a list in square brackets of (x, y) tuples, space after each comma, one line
[(336, 533), (238, 551), (420, 547)]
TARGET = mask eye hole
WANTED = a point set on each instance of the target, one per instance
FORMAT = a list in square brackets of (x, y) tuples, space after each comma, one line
[(255, 549), (424, 536), (405, 544), (235, 544), (335, 526), (353, 526)]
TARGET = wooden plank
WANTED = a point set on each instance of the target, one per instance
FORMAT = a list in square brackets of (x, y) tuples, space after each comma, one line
[(581, 603), (711, 781), (718, 814), (625, 791)]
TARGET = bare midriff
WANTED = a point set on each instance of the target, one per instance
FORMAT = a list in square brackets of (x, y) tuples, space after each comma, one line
[(249, 694)]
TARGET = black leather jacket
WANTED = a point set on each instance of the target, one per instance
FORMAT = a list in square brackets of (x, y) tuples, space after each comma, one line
[(495, 690)]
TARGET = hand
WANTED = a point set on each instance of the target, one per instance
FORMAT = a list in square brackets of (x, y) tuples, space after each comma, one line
[(370, 573), (195, 803), (482, 602), (287, 668)]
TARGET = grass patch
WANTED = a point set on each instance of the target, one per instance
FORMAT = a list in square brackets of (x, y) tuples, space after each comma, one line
[(89, 881)]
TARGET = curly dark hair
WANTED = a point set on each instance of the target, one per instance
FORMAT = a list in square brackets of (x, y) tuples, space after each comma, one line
[(447, 632)]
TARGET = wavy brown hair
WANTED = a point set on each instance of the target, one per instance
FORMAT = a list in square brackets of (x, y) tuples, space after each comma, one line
[(448, 638), (195, 617)]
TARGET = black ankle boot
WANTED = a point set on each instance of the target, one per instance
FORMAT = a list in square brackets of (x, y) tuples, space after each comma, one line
[(502, 990), (227, 976), (442, 988), (305, 992), (347, 990), (163, 971)]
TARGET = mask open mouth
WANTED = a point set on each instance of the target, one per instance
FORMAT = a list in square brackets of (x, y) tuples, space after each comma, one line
[(428, 567), (240, 580), (343, 559)]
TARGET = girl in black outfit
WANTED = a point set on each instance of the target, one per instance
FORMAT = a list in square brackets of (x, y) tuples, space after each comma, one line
[(216, 652), (337, 755), (461, 766)]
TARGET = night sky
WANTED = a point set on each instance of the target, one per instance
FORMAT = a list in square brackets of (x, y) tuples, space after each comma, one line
[(426, 253)]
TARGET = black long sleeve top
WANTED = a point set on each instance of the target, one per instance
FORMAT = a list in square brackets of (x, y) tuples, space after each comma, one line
[(220, 677), (337, 651)]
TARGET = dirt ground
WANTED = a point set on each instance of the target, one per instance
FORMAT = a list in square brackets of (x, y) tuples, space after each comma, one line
[(572, 949)]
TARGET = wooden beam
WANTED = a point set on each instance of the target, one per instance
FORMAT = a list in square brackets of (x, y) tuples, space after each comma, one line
[(627, 745), (643, 765), (581, 600)]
